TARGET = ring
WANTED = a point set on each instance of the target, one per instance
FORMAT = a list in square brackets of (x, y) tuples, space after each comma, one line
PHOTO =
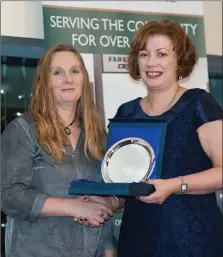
[(104, 215)]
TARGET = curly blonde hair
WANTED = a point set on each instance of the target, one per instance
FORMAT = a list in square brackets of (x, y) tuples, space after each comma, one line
[(43, 109)]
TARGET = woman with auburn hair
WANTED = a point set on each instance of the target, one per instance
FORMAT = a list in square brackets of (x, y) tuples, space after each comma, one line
[(61, 138), (181, 218)]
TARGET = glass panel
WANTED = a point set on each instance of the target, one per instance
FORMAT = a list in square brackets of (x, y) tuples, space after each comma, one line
[(215, 86), (16, 83)]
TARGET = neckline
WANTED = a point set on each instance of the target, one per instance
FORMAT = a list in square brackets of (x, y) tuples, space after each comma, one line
[(173, 107), (73, 149)]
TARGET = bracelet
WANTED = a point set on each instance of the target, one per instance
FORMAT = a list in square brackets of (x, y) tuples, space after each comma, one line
[(183, 186), (117, 202)]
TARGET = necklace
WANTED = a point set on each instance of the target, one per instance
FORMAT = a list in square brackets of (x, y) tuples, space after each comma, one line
[(172, 100), (67, 129)]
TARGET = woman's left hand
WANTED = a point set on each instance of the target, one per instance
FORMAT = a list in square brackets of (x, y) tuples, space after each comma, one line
[(164, 188)]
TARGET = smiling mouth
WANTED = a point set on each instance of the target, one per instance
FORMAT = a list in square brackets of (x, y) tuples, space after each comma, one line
[(154, 74)]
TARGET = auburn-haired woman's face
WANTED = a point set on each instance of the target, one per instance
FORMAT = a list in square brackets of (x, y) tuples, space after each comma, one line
[(157, 62), (66, 77)]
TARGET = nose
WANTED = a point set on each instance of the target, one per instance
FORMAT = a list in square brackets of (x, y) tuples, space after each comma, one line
[(67, 77), (151, 61)]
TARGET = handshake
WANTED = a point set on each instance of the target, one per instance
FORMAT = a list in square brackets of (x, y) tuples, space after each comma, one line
[(93, 211)]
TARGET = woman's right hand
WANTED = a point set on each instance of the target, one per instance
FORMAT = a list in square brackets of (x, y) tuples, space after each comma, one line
[(90, 213)]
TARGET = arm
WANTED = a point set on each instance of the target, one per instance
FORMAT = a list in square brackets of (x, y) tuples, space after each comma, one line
[(207, 181), (208, 123), (210, 136), (19, 199), (80, 208)]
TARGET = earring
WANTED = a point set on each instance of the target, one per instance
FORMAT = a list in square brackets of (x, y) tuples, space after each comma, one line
[(178, 73)]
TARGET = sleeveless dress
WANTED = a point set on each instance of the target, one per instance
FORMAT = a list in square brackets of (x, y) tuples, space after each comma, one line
[(184, 225)]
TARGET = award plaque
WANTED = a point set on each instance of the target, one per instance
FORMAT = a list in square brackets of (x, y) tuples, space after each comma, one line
[(134, 154), (129, 160), (149, 135)]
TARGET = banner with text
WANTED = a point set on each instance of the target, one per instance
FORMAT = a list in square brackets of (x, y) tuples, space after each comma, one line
[(108, 32)]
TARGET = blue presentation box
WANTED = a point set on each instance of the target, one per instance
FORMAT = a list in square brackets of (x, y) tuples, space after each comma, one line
[(153, 131)]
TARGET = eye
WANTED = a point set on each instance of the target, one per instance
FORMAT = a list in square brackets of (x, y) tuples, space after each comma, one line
[(57, 72), (162, 54), (143, 54), (75, 71)]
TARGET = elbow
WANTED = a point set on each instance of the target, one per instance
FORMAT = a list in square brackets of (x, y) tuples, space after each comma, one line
[(12, 208), (13, 212), (16, 208)]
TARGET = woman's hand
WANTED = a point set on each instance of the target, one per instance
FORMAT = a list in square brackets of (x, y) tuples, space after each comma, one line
[(164, 188), (106, 200), (90, 213)]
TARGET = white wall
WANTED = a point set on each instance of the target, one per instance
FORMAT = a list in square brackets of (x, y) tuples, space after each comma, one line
[(213, 26), (24, 19)]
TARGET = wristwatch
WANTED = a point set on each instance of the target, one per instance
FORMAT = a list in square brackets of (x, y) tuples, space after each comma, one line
[(183, 185)]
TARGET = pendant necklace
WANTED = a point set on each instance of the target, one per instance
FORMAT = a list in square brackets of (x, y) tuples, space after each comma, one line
[(67, 129), (174, 96), (172, 100)]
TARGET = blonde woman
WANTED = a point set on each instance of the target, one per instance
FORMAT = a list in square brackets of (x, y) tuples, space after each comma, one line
[(61, 138)]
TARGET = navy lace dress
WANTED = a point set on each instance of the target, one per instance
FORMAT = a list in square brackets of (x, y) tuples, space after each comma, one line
[(184, 225)]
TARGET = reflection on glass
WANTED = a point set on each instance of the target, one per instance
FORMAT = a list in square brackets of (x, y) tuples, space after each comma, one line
[(16, 82)]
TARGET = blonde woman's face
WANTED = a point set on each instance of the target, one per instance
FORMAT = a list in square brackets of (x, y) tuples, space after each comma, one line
[(157, 62), (66, 77)]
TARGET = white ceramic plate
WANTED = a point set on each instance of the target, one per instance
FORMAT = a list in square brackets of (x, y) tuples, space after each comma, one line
[(127, 161)]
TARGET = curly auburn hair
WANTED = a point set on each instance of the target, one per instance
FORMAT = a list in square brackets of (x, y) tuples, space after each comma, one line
[(43, 109), (182, 45)]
